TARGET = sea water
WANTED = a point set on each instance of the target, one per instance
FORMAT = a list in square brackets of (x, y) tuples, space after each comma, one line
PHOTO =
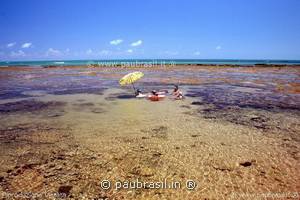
[(146, 61)]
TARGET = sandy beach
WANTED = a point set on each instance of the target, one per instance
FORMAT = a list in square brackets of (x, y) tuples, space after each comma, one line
[(65, 130)]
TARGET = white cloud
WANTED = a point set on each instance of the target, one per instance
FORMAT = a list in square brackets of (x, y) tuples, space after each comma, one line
[(53, 52), (116, 42), (197, 53), (137, 43), (129, 51), (89, 52), (218, 48), (11, 44), (66, 52), (104, 52), (19, 53), (26, 45)]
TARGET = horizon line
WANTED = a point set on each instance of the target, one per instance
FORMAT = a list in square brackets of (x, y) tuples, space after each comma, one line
[(96, 59)]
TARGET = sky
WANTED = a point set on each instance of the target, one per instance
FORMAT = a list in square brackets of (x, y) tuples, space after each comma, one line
[(134, 29)]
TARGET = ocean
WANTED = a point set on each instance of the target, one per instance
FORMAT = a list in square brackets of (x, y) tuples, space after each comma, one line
[(147, 61)]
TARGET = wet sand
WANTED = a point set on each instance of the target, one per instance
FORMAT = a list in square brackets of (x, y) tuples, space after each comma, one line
[(66, 129)]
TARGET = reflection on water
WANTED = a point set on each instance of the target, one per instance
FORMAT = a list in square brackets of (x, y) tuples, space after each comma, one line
[(239, 86), (251, 97)]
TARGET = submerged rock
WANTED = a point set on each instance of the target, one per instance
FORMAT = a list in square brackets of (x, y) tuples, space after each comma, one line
[(29, 106), (246, 164), (65, 189)]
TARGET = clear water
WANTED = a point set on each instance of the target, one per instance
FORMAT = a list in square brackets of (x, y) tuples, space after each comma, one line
[(148, 61)]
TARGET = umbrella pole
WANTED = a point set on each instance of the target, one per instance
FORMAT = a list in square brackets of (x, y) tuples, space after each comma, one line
[(133, 87)]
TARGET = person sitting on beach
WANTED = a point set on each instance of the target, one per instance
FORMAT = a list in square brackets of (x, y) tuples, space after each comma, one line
[(139, 94), (156, 96), (155, 93), (177, 93)]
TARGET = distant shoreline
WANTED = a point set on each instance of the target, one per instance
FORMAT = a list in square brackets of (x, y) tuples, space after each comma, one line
[(158, 66)]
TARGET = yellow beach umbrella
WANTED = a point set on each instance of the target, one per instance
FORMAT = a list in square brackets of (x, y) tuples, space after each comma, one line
[(131, 78)]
